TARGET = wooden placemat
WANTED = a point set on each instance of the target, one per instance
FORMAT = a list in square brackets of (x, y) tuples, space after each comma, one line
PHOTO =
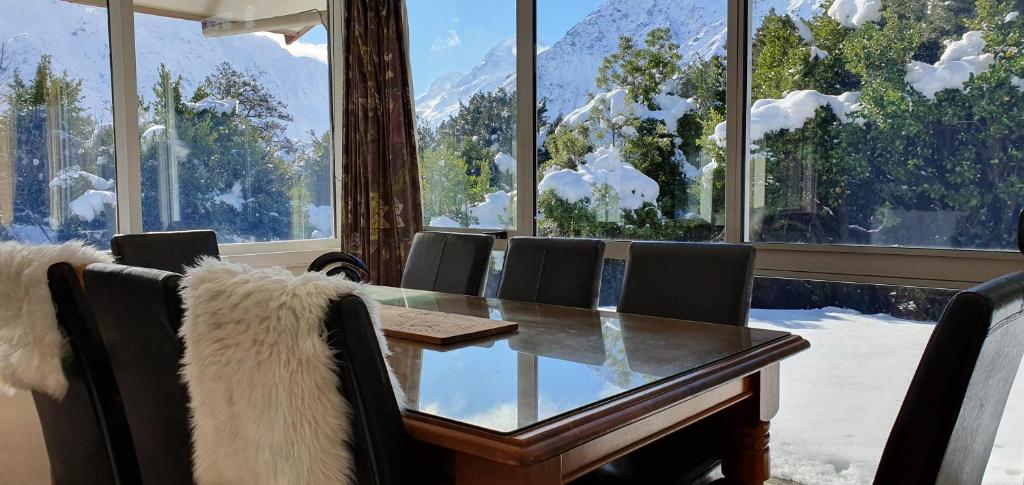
[(438, 328)]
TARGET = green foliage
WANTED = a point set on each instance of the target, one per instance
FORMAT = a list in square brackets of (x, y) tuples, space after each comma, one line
[(641, 70)]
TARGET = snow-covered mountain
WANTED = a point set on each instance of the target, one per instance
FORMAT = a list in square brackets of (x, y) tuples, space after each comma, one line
[(496, 69), (76, 37), (566, 70)]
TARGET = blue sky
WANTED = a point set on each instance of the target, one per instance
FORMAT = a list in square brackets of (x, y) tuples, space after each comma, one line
[(453, 35)]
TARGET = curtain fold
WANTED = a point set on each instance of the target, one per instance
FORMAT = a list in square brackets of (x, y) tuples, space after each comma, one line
[(380, 185)]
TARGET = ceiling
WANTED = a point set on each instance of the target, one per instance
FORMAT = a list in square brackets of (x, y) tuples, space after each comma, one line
[(226, 17)]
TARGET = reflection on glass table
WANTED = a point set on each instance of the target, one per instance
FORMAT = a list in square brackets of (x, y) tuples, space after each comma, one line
[(559, 361)]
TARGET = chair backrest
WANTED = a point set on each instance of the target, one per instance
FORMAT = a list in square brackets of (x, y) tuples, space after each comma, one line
[(378, 434), (338, 262), (168, 251), (448, 262), (86, 433), (138, 314), (555, 271), (690, 281), (947, 425)]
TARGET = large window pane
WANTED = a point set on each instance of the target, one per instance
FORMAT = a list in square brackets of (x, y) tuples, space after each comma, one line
[(463, 56), (235, 118), (630, 97), (888, 123), (56, 138)]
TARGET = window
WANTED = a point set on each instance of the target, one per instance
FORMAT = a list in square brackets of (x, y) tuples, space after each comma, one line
[(235, 124), (464, 71), (888, 123), (57, 170), (629, 102)]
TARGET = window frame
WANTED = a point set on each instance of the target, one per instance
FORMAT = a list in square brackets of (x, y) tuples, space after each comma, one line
[(949, 268), (891, 265), (127, 144)]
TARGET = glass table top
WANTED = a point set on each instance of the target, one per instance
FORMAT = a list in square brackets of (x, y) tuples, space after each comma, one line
[(560, 360)]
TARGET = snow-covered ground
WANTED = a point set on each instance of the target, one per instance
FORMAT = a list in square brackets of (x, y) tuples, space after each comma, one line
[(840, 397)]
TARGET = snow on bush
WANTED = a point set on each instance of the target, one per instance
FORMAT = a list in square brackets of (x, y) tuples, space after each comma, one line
[(505, 162), (232, 197), (443, 221), (961, 60), (791, 112), (1017, 82), (855, 13), (493, 211), (90, 204), (321, 217), (603, 167), (615, 107), (568, 185), (216, 106), (817, 53), (67, 176), (1010, 17)]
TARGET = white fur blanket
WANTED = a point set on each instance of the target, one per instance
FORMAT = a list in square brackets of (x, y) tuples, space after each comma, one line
[(31, 344), (262, 381)]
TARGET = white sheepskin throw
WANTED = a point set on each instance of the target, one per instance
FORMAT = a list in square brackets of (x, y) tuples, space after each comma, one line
[(31, 344), (261, 377)]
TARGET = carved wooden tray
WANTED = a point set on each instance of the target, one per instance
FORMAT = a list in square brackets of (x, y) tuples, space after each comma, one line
[(436, 327)]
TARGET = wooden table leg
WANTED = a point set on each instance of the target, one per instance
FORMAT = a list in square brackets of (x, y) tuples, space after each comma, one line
[(472, 470), (748, 457)]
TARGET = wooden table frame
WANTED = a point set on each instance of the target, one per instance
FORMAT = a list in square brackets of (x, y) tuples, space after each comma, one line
[(566, 447)]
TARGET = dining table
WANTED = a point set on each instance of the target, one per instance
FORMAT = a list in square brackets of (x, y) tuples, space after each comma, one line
[(571, 389)]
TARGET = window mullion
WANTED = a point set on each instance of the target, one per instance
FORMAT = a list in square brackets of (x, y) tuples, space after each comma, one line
[(737, 117), (526, 117), (127, 148)]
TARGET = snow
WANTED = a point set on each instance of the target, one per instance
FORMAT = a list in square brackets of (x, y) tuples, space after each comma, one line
[(320, 216), (66, 178), (804, 31), (215, 106), (233, 197), (856, 13), (791, 112), (616, 107), (568, 185), (493, 212), (1017, 82), (603, 167), (961, 59), (1010, 17), (817, 53), (505, 162), (153, 132), (443, 221), (90, 204), (840, 397)]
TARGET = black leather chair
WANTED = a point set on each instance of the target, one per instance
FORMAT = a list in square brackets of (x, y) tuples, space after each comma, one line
[(168, 251), (947, 425), (138, 315), (86, 433), (337, 262), (448, 262), (378, 434), (555, 271), (690, 281)]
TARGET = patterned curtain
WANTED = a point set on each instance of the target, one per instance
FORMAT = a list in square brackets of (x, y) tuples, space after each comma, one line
[(380, 185)]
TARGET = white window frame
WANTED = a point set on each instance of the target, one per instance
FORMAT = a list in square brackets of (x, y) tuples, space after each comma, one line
[(292, 254)]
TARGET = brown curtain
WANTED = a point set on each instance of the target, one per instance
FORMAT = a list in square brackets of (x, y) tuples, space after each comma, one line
[(380, 184)]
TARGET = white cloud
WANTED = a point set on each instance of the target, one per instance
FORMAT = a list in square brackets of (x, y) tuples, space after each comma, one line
[(444, 43), (299, 48)]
